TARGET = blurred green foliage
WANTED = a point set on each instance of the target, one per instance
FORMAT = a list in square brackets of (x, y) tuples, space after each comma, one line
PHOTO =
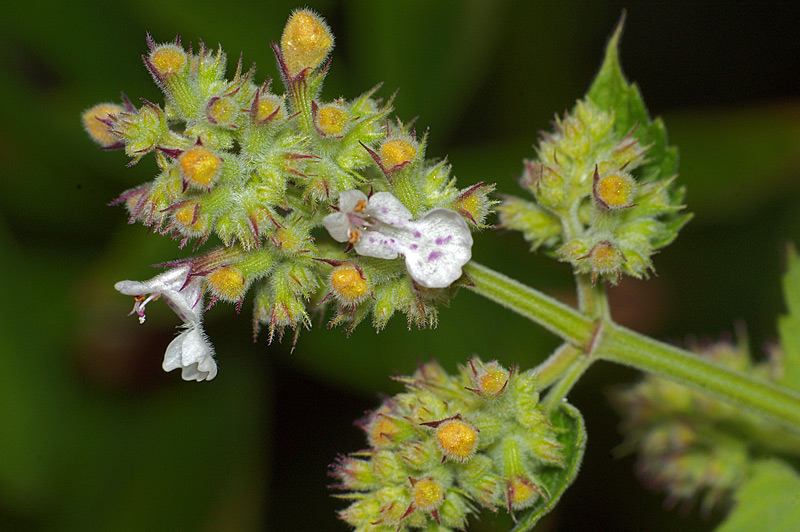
[(95, 437)]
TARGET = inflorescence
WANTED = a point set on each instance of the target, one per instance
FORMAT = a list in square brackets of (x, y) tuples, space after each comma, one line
[(268, 173), (448, 445)]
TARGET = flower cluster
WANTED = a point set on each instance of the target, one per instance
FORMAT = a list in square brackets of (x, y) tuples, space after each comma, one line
[(690, 444), (591, 209), (448, 445), (267, 173)]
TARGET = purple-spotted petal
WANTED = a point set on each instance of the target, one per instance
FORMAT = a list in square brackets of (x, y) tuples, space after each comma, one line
[(434, 259), (388, 209), (378, 245)]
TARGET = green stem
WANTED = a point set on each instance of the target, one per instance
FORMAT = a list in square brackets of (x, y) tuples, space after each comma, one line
[(556, 364), (553, 315), (624, 346), (627, 347), (570, 377)]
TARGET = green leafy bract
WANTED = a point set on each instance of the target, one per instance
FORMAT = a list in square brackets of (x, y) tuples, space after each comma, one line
[(611, 91), (569, 421), (769, 500), (789, 325)]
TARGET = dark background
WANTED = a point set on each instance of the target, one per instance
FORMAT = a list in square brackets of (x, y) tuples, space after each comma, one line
[(93, 436)]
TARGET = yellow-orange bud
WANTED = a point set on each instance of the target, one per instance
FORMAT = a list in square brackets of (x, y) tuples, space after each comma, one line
[(306, 41), (168, 60), (521, 492), (428, 494), (227, 282), (222, 111), (491, 380), (266, 108), (614, 190), (348, 284), (397, 152), (331, 119), (605, 257), (457, 439), (188, 216), (200, 166), (97, 130)]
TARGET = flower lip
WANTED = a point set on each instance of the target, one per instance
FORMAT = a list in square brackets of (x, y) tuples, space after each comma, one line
[(435, 247), (190, 350)]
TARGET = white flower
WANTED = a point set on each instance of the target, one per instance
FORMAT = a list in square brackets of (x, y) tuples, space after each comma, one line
[(190, 350), (435, 247)]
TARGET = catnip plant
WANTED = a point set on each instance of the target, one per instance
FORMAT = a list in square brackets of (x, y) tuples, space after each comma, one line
[(332, 209)]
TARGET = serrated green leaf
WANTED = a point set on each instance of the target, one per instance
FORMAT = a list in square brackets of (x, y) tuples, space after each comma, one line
[(769, 500), (789, 325), (573, 437), (611, 91)]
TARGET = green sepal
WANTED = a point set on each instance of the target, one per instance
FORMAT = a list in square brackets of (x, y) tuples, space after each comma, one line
[(568, 421), (767, 501), (789, 325), (611, 91)]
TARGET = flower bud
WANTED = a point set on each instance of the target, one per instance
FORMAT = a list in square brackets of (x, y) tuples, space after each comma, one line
[(200, 167), (222, 111), (140, 130), (490, 380), (427, 493), (306, 42), (457, 439), (396, 153), (290, 239), (266, 108), (166, 60), (605, 259), (521, 492), (227, 283), (348, 284), (189, 219), (331, 120), (475, 203), (96, 123), (614, 190)]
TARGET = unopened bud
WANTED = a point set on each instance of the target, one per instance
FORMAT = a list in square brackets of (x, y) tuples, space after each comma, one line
[(605, 258), (348, 284), (428, 494), (614, 190), (306, 42), (265, 108), (228, 283), (457, 439), (96, 128), (200, 167), (222, 111), (490, 380), (189, 218), (395, 153), (521, 492), (167, 60), (331, 120)]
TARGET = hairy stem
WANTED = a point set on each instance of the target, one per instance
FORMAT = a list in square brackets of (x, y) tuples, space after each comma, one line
[(569, 378), (627, 347), (556, 364)]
